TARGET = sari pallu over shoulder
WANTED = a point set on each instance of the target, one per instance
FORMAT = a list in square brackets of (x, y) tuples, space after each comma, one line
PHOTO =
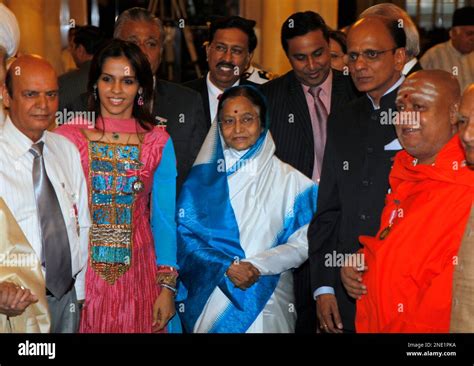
[(209, 237)]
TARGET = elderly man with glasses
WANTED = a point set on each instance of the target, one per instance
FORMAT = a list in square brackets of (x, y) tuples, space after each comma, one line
[(361, 142)]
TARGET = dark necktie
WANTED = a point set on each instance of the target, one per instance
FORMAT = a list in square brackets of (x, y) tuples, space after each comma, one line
[(319, 130), (56, 251)]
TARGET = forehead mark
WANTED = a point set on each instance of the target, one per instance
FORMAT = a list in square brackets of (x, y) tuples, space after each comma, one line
[(427, 92)]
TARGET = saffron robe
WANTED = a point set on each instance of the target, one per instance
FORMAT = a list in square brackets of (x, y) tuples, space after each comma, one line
[(409, 277)]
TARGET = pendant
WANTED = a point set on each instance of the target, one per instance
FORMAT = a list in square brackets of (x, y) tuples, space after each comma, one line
[(138, 186), (385, 233), (115, 135)]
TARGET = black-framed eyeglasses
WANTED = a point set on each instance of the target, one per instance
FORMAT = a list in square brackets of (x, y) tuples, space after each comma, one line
[(367, 55)]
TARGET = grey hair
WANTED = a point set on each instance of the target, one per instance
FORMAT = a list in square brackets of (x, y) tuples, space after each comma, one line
[(138, 15), (3, 63), (396, 13)]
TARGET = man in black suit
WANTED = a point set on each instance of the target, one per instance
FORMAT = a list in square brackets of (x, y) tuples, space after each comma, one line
[(294, 118), (361, 143), (232, 41), (395, 13)]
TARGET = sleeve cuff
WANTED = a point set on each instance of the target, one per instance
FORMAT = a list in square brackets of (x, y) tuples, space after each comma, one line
[(322, 291)]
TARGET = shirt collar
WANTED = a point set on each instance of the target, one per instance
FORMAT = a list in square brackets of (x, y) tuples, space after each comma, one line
[(214, 90), (19, 143), (409, 65), (391, 89), (326, 85)]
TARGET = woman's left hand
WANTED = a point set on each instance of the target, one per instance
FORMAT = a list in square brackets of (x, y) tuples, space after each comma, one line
[(163, 309)]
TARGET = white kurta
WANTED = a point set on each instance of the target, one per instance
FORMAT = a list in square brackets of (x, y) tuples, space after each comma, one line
[(262, 194)]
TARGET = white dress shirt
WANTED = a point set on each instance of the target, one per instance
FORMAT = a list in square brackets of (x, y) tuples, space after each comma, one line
[(63, 165), (408, 66), (213, 93)]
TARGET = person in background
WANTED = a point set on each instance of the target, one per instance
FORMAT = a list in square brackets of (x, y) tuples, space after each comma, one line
[(338, 48), (86, 42), (456, 55), (67, 60), (229, 51)]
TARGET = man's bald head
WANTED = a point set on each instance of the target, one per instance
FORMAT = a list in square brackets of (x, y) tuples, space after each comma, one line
[(466, 124), (428, 101), (31, 95), (24, 66)]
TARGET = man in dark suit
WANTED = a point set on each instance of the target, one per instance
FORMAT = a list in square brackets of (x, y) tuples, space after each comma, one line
[(294, 118), (395, 13), (361, 142), (86, 42), (232, 41)]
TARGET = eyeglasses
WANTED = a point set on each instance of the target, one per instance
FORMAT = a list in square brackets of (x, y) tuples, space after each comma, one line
[(235, 51), (367, 55), (246, 120)]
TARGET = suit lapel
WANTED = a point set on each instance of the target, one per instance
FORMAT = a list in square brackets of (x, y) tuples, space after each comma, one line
[(299, 108), (337, 93), (205, 99), (160, 103)]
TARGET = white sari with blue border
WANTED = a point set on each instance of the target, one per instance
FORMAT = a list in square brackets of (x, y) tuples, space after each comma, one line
[(247, 207)]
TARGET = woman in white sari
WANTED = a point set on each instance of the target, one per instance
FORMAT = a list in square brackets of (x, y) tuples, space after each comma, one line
[(242, 222)]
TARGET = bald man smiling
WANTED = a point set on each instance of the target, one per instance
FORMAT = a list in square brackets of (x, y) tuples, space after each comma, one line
[(409, 263)]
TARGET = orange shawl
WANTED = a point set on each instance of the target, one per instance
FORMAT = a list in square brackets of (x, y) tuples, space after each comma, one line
[(409, 277)]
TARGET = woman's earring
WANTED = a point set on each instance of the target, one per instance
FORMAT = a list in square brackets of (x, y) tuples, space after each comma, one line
[(95, 92), (140, 97)]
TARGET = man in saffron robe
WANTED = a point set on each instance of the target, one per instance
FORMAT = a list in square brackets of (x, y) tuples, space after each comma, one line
[(407, 281)]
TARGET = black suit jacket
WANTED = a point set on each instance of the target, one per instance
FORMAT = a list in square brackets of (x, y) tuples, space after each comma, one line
[(291, 128), (354, 182), (290, 121), (180, 109), (186, 123), (200, 85), (72, 84)]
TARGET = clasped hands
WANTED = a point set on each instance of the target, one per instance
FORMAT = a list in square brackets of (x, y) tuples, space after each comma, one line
[(15, 299), (243, 274), (351, 278)]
